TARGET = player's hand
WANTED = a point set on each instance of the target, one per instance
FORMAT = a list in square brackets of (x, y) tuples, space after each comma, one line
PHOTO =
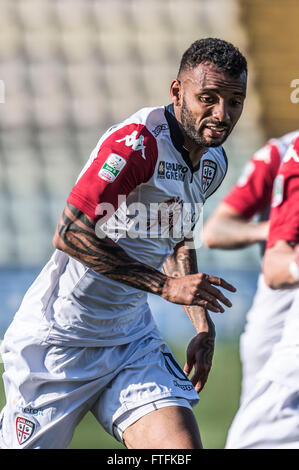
[(200, 352), (198, 289)]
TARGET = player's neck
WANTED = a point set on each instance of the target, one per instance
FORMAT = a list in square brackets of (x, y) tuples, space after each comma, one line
[(196, 154), (195, 151)]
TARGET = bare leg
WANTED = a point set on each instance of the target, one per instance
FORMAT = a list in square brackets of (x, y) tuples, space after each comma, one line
[(171, 427)]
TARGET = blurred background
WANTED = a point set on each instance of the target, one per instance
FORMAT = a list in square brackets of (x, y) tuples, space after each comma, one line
[(73, 68)]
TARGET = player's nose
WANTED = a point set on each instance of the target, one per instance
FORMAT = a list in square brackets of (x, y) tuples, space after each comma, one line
[(220, 112)]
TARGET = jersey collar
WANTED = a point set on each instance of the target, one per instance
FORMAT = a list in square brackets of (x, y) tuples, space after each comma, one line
[(177, 137)]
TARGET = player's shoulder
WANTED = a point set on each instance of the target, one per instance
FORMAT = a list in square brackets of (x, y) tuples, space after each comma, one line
[(291, 156), (135, 134), (285, 140), (151, 118), (281, 144), (145, 124), (289, 170), (296, 144), (269, 154)]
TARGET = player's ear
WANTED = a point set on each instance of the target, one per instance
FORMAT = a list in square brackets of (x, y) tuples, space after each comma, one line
[(176, 92)]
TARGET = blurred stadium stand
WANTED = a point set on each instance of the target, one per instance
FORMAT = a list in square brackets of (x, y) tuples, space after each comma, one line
[(273, 47), (71, 69)]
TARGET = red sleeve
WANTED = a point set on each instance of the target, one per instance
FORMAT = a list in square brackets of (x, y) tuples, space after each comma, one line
[(284, 216), (252, 193), (126, 158)]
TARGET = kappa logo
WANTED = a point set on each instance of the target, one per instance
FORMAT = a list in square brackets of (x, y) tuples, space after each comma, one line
[(209, 169), (134, 142), (291, 154), (24, 429)]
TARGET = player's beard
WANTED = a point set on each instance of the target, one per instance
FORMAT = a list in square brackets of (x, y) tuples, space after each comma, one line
[(196, 135)]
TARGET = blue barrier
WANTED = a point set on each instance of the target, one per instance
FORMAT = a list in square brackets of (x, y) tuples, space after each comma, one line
[(171, 319)]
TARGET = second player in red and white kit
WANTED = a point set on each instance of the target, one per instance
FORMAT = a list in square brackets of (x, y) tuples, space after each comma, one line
[(269, 418), (231, 226)]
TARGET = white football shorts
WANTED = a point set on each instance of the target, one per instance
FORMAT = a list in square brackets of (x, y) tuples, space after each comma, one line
[(263, 329), (267, 419), (50, 388)]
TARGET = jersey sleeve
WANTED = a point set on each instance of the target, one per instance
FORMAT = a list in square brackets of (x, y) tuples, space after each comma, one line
[(252, 192), (284, 216), (125, 159)]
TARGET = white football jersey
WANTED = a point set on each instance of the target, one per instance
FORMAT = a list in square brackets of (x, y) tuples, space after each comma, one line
[(141, 189)]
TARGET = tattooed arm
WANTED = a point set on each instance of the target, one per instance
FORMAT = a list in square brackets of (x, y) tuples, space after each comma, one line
[(201, 347), (183, 262), (75, 235)]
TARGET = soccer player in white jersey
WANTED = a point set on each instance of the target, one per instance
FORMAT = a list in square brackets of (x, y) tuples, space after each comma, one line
[(231, 227), (84, 338), (269, 416)]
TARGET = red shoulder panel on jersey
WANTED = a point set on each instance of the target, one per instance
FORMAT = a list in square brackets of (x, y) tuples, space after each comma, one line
[(252, 193), (126, 158), (284, 217)]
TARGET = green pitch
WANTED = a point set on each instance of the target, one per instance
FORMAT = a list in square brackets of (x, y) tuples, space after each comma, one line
[(217, 406)]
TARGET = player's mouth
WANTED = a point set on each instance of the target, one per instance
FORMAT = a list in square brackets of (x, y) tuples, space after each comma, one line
[(216, 131)]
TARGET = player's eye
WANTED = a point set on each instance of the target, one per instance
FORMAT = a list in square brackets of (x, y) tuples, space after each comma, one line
[(207, 99), (236, 102)]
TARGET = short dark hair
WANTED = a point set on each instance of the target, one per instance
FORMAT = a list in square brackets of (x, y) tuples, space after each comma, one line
[(221, 53)]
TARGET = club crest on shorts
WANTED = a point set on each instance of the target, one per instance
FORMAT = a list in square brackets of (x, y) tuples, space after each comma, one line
[(24, 429), (208, 173)]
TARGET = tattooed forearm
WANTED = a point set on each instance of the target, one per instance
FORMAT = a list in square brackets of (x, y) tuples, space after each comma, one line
[(182, 262), (76, 236)]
